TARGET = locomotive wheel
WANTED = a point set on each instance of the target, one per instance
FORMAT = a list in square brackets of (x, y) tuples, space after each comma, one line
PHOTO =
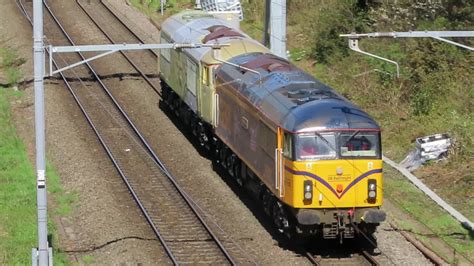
[(230, 163), (237, 169), (268, 202), (201, 131), (165, 91), (217, 150), (279, 217), (170, 99), (216, 144), (176, 105), (223, 155), (189, 117), (194, 125)]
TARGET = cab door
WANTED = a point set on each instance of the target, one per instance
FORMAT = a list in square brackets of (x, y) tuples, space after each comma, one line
[(279, 169), (206, 95)]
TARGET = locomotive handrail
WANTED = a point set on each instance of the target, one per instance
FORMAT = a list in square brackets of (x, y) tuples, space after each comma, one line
[(216, 55)]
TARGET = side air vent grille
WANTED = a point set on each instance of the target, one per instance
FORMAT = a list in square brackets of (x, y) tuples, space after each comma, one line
[(302, 96)]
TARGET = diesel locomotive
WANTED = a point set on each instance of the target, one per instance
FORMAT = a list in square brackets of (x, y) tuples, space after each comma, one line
[(308, 154)]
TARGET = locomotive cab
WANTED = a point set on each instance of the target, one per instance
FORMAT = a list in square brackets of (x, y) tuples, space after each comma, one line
[(334, 181)]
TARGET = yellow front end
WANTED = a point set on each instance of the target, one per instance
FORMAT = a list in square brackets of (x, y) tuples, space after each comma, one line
[(338, 183)]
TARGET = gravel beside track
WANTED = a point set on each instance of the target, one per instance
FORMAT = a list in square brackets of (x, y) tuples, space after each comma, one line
[(183, 234)]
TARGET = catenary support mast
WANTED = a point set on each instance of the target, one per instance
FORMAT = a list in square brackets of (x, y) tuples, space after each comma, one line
[(42, 254), (274, 34)]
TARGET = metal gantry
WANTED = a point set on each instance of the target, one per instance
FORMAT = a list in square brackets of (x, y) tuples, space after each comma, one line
[(438, 35)]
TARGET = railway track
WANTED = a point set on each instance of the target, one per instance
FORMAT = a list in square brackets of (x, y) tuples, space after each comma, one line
[(359, 258), (176, 220), (144, 62)]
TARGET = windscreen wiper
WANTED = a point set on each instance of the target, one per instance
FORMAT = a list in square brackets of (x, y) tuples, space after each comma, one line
[(351, 137), (326, 141)]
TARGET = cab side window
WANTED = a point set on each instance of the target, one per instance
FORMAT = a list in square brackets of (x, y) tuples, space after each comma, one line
[(205, 75), (288, 146)]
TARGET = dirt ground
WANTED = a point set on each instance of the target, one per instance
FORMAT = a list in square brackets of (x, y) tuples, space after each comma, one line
[(105, 225)]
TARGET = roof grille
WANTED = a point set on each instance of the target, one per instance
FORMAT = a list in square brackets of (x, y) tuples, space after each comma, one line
[(302, 96), (220, 31)]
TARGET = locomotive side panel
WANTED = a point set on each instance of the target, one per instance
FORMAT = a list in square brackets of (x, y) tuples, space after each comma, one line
[(240, 128), (181, 72), (164, 61)]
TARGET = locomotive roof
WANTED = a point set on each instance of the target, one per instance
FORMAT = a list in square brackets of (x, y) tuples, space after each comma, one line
[(292, 98), (201, 27)]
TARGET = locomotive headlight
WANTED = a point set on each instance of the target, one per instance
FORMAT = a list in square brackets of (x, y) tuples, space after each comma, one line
[(372, 189), (308, 189)]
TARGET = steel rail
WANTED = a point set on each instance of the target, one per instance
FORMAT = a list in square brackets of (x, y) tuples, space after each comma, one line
[(126, 26), (317, 260), (183, 194), (369, 257), (134, 65), (108, 151), (311, 258)]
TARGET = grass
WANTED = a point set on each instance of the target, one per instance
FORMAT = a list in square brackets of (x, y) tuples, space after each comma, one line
[(9, 63), (88, 259), (18, 233), (400, 191), (17, 195), (151, 8)]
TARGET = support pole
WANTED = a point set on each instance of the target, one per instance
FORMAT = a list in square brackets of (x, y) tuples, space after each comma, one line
[(38, 48), (278, 27), (266, 31)]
